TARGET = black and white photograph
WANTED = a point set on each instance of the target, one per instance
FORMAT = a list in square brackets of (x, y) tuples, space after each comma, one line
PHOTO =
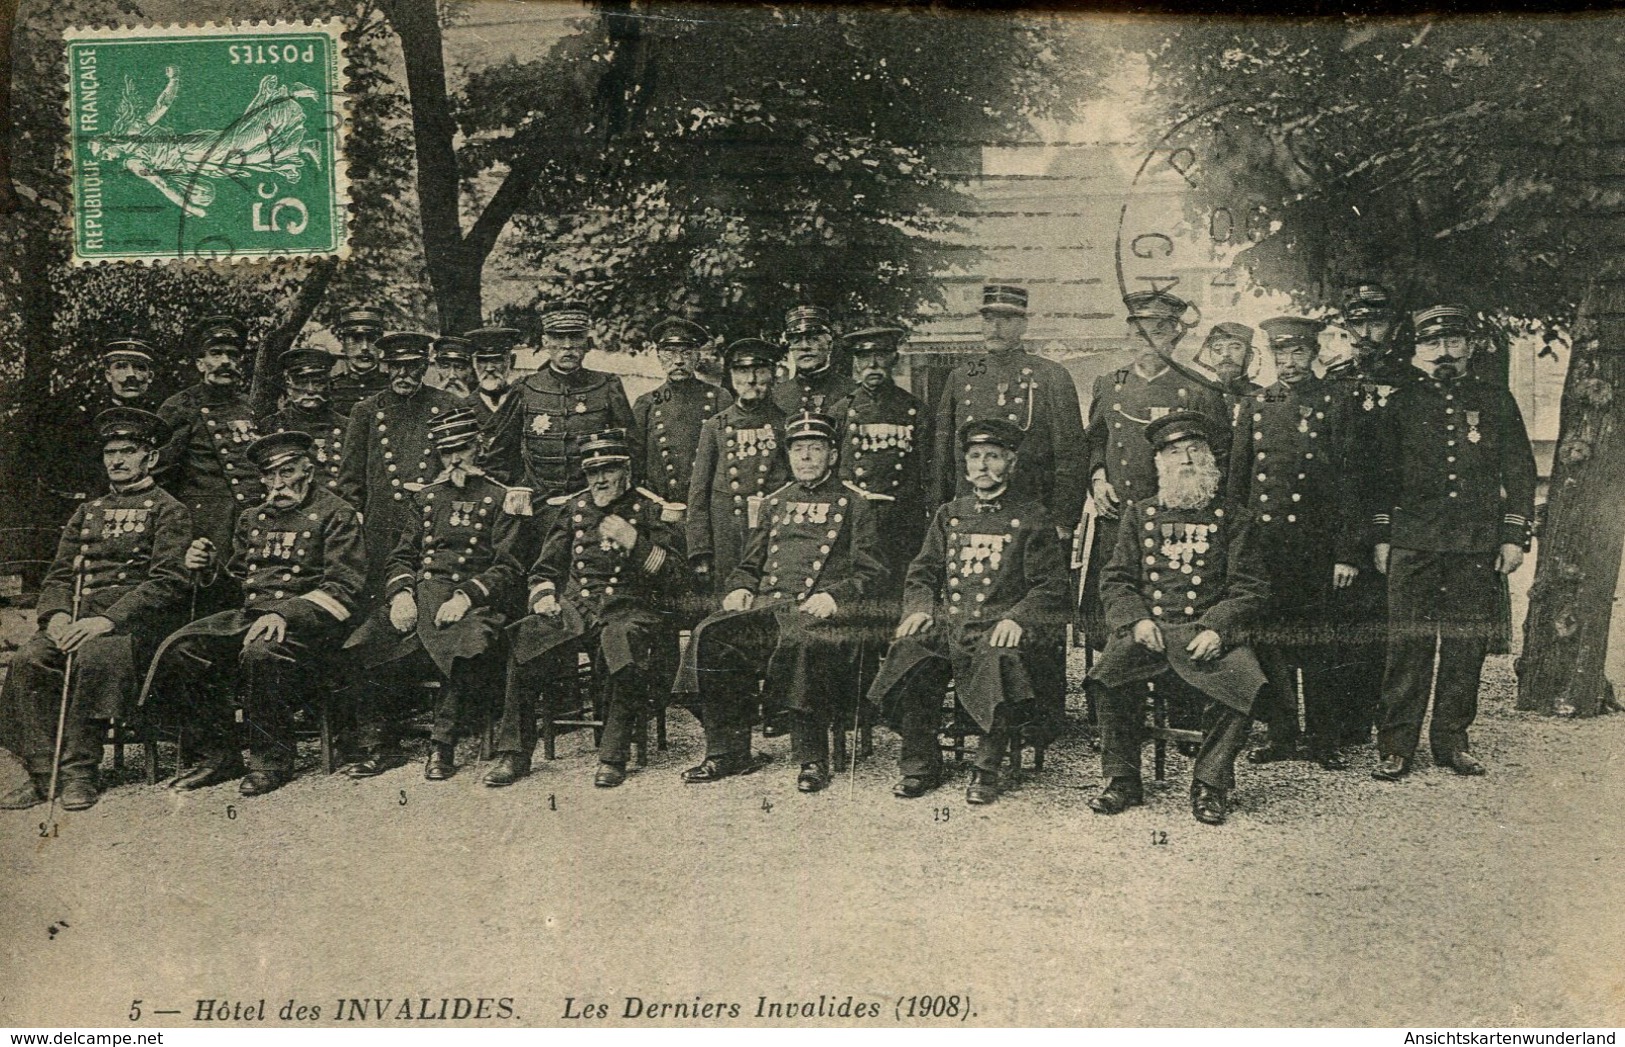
[(917, 515)]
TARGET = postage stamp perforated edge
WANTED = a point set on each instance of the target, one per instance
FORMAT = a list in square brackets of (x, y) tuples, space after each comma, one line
[(338, 92)]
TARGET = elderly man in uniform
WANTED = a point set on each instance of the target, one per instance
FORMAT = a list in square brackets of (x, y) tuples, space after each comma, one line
[(204, 463), (667, 420), (988, 587), (388, 449), (817, 382), (535, 438), (298, 558), (308, 396), (1227, 353), (739, 459), (1184, 585), (608, 577), (117, 584), (493, 372), (1288, 468), (1453, 492), (448, 585), (361, 376), (454, 361), (792, 604), (1122, 467)]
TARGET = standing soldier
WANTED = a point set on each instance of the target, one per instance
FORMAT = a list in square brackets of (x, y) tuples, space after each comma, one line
[(299, 562), (1227, 352), (454, 359), (1287, 468), (1453, 495), (307, 379), (118, 583), (740, 459), (360, 376), (988, 587), (1122, 467), (536, 435), (667, 420), (205, 464), (388, 449), (1365, 378), (792, 604), (1184, 584), (608, 577), (817, 383), (493, 373), (447, 586)]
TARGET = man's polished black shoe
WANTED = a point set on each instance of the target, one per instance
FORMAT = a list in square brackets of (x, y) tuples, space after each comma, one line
[(215, 769), (1330, 760), (814, 777), (1272, 752), (442, 763), (375, 762), (1119, 795), (1208, 804), (79, 794), (1392, 769), (716, 768), (983, 787), (258, 783), (1460, 762), (609, 776), (913, 786), (509, 768)]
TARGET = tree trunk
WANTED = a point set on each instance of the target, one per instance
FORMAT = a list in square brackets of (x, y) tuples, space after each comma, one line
[(1571, 602), (8, 20), (262, 394)]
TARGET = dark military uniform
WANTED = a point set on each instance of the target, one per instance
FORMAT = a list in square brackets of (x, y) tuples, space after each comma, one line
[(983, 560), (1454, 480), (60, 449), (349, 388), (883, 438), (812, 538), (740, 458), (1187, 570), (620, 603), (458, 539), (306, 564), (388, 447), (131, 545), (326, 427), (667, 423), (486, 410), (203, 464), (815, 391), (537, 433)]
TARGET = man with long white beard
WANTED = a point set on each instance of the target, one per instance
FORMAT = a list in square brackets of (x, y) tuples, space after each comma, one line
[(493, 373), (298, 560), (1184, 584), (1453, 492)]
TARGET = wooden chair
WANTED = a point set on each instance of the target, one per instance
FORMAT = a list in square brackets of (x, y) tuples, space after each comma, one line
[(579, 704), (1164, 692), (957, 726)]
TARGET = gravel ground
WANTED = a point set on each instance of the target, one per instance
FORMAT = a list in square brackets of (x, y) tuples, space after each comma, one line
[(1329, 899)]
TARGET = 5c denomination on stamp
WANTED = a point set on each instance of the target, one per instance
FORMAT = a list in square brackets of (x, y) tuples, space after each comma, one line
[(212, 141)]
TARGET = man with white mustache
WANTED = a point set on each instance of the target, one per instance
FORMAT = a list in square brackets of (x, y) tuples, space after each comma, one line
[(1453, 494), (493, 373), (308, 396)]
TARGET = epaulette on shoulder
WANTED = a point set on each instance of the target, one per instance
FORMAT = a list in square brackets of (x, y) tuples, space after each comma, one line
[(564, 499), (655, 498), (869, 496), (775, 494)]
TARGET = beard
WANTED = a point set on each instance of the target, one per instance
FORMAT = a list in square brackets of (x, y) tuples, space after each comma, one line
[(1190, 486)]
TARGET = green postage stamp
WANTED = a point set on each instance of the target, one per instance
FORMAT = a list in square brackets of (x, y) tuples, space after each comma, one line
[(214, 141)]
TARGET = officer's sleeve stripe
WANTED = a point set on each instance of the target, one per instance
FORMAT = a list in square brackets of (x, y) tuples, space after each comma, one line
[(652, 563), (398, 577), (328, 604), (1380, 518), (481, 584)]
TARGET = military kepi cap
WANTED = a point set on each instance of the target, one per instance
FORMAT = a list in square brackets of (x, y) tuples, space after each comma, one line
[(674, 332), (492, 342), (458, 427), (807, 319), (131, 349), (994, 431), (1437, 321), (268, 452), (360, 320), (874, 340), (605, 448), (566, 317), (1004, 300), (1179, 425), (451, 348), (1366, 300), (129, 423), (404, 347), (1156, 305), (810, 425), (305, 363), (220, 330), (1232, 332), (1284, 332), (752, 352)]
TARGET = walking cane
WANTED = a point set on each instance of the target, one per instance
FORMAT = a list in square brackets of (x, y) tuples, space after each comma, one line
[(67, 680)]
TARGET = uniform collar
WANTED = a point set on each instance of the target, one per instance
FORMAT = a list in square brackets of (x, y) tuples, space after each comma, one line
[(990, 503), (136, 488), (819, 484), (215, 395)]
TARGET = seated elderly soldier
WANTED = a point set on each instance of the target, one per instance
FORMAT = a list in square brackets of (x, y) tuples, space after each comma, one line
[(300, 562), (989, 583), (118, 583), (796, 603), (447, 587), (610, 575), (1184, 581)]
